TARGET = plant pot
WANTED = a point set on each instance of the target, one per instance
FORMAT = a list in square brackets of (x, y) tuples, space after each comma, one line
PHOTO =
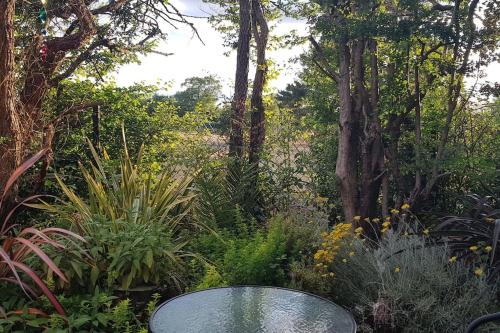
[(139, 296)]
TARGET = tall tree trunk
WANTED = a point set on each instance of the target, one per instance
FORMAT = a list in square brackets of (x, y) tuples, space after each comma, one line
[(372, 155), (257, 130), (11, 143), (348, 149), (418, 139), (19, 123), (241, 80)]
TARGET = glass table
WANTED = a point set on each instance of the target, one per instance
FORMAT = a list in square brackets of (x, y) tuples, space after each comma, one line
[(249, 309)]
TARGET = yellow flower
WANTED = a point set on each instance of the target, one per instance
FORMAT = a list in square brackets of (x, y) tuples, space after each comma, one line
[(397, 269), (376, 220), (453, 259), (405, 206), (384, 230), (488, 248), (387, 218), (406, 233), (344, 260), (332, 274), (358, 230), (357, 218), (479, 271), (319, 254), (426, 232), (351, 254), (386, 224), (321, 200), (473, 248), (394, 211)]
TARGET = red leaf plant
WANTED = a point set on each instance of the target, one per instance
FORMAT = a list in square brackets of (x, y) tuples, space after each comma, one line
[(16, 246)]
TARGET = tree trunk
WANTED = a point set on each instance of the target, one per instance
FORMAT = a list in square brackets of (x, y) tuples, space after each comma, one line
[(241, 81), (19, 123), (372, 149), (96, 115), (348, 151), (257, 130), (418, 139), (11, 143)]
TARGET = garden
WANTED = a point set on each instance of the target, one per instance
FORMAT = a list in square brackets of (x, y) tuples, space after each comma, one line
[(371, 180)]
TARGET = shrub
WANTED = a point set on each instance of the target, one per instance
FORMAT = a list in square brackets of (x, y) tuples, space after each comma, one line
[(19, 247), (258, 259), (97, 312), (265, 257), (402, 285), (475, 237), (135, 223)]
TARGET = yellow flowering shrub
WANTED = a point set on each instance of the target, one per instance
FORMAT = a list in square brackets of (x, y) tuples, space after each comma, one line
[(331, 244)]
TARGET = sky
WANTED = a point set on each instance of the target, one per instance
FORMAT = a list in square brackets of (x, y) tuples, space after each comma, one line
[(192, 58)]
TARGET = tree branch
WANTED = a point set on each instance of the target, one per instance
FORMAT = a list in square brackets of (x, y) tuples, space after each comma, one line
[(326, 67)]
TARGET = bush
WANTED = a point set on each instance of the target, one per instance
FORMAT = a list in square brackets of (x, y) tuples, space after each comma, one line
[(136, 225), (98, 312), (475, 237), (265, 256), (402, 285), (258, 259)]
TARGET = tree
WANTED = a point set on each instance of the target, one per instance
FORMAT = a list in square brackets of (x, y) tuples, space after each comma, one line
[(385, 60), (85, 34), (203, 91), (236, 146), (257, 129), (10, 130)]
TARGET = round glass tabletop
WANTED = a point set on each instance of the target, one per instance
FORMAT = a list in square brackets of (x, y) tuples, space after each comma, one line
[(250, 310)]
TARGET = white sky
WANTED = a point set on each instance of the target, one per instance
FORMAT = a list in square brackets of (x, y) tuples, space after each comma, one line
[(192, 58)]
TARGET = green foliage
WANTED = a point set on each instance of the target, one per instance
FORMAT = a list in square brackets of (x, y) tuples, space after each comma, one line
[(98, 312), (137, 255), (198, 93), (211, 279), (403, 285), (171, 141), (264, 257), (476, 236), (257, 260), (132, 222)]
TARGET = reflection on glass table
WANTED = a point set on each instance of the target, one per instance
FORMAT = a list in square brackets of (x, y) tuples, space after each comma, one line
[(247, 309)]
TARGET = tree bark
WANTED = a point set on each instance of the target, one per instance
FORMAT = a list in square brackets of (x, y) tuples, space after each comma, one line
[(20, 123), (10, 122), (372, 163), (418, 139), (257, 130), (236, 143), (96, 137), (348, 151)]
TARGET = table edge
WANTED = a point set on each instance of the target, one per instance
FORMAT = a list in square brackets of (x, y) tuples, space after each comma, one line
[(253, 286)]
